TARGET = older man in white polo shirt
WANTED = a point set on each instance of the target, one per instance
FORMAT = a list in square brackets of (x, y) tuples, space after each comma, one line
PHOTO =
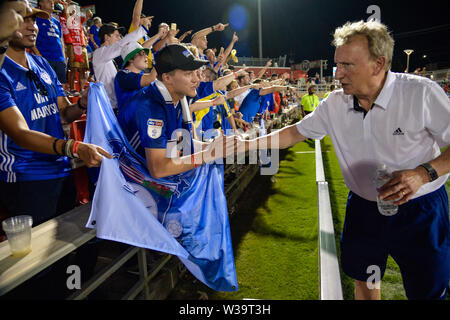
[(402, 121)]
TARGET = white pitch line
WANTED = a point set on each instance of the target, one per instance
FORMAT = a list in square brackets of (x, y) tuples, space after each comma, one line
[(308, 151)]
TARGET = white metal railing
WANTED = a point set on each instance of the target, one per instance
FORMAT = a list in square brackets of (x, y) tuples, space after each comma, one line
[(329, 275)]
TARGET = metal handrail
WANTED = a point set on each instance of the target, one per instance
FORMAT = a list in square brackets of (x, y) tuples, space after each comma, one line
[(329, 275)]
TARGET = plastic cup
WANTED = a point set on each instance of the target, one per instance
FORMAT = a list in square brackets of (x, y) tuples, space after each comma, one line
[(18, 231)]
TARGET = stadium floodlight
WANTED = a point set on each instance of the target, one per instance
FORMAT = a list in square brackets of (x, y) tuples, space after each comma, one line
[(260, 29), (408, 53)]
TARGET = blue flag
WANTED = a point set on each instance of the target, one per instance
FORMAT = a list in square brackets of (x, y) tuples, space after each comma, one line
[(184, 215)]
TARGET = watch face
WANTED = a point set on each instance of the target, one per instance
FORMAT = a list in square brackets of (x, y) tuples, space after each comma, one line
[(433, 174)]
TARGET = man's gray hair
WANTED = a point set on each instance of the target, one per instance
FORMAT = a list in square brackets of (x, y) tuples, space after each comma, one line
[(380, 40)]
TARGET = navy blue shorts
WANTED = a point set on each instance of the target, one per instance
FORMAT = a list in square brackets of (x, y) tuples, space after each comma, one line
[(417, 238)]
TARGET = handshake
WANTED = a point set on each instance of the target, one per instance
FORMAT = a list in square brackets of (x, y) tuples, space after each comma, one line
[(224, 147), (229, 146), (234, 148)]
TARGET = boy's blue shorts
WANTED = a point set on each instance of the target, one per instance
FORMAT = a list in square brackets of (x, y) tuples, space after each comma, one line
[(417, 238)]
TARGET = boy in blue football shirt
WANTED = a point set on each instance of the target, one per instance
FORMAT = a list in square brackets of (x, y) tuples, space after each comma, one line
[(132, 77), (152, 118)]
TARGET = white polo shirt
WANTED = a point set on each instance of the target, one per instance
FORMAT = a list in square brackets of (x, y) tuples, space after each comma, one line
[(406, 127), (104, 68)]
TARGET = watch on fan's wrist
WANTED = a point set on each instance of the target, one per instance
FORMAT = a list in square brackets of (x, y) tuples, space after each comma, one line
[(430, 170)]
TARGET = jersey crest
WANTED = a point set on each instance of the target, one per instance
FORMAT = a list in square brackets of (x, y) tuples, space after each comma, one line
[(154, 128)]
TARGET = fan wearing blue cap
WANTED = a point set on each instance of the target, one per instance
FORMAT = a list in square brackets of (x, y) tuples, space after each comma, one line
[(132, 78)]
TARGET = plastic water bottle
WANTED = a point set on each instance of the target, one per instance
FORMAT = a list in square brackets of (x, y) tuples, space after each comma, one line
[(386, 208)]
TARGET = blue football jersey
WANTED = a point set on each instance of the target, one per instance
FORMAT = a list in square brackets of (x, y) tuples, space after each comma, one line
[(266, 103), (204, 89), (48, 40), (251, 105), (149, 119), (94, 31), (126, 85), (34, 91), (206, 117)]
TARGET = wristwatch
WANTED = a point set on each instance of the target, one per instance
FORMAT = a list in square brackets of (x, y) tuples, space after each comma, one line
[(3, 49), (431, 172)]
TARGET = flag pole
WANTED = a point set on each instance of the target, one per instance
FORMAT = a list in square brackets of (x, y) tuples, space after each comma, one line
[(187, 116)]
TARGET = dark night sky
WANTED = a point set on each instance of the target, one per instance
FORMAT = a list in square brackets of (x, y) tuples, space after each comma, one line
[(300, 28)]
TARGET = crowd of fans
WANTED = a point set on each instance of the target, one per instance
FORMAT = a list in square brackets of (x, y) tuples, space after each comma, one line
[(55, 50), (51, 52)]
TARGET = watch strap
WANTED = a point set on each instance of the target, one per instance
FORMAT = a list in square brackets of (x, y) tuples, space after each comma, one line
[(431, 172)]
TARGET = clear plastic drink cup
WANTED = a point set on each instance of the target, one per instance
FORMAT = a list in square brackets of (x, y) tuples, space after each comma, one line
[(18, 231)]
